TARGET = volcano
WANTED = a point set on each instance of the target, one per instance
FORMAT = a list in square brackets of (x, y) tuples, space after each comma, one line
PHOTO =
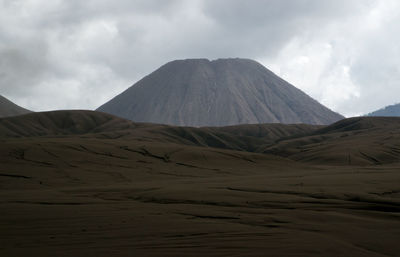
[(200, 92), (8, 108)]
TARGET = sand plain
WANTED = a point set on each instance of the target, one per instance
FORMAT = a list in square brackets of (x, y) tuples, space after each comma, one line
[(89, 194)]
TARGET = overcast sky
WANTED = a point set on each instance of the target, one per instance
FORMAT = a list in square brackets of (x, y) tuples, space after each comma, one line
[(73, 54)]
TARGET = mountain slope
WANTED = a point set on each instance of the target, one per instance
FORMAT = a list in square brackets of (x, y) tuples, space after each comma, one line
[(199, 92), (8, 108), (101, 125), (61, 123), (391, 110), (354, 141)]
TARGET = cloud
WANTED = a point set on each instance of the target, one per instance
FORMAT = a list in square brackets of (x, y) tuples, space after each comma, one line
[(78, 54)]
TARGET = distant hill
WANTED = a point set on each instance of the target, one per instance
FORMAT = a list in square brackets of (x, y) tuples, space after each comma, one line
[(8, 108), (353, 141), (66, 122), (391, 110), (199, 92), (102, 125)]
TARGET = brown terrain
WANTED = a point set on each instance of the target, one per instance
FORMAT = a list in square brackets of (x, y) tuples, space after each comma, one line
[(81, 183)]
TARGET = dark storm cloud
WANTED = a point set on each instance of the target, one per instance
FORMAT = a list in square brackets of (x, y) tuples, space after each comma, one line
[(78, 54)]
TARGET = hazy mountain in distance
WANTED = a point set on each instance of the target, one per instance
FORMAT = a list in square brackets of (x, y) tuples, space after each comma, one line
[(8, 108), (199, 92), (391, 110)]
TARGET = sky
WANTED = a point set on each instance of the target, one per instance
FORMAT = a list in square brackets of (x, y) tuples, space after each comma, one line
[(73, 54)]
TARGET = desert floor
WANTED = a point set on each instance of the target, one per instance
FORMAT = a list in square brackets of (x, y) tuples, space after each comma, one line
[(76, 196)]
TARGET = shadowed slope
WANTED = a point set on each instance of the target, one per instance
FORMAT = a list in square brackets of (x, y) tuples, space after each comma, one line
[(354, 141), (199, 92), (98, 124), (61, 123), (8, 108), (241, 137)]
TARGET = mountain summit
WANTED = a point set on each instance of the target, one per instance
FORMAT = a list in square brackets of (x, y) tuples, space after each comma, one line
[(8, 108), (199, 92)]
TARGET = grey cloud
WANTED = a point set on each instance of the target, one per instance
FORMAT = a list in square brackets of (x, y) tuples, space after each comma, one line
[(22, 65), (377, 67), (80, 49), (266, 26)]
